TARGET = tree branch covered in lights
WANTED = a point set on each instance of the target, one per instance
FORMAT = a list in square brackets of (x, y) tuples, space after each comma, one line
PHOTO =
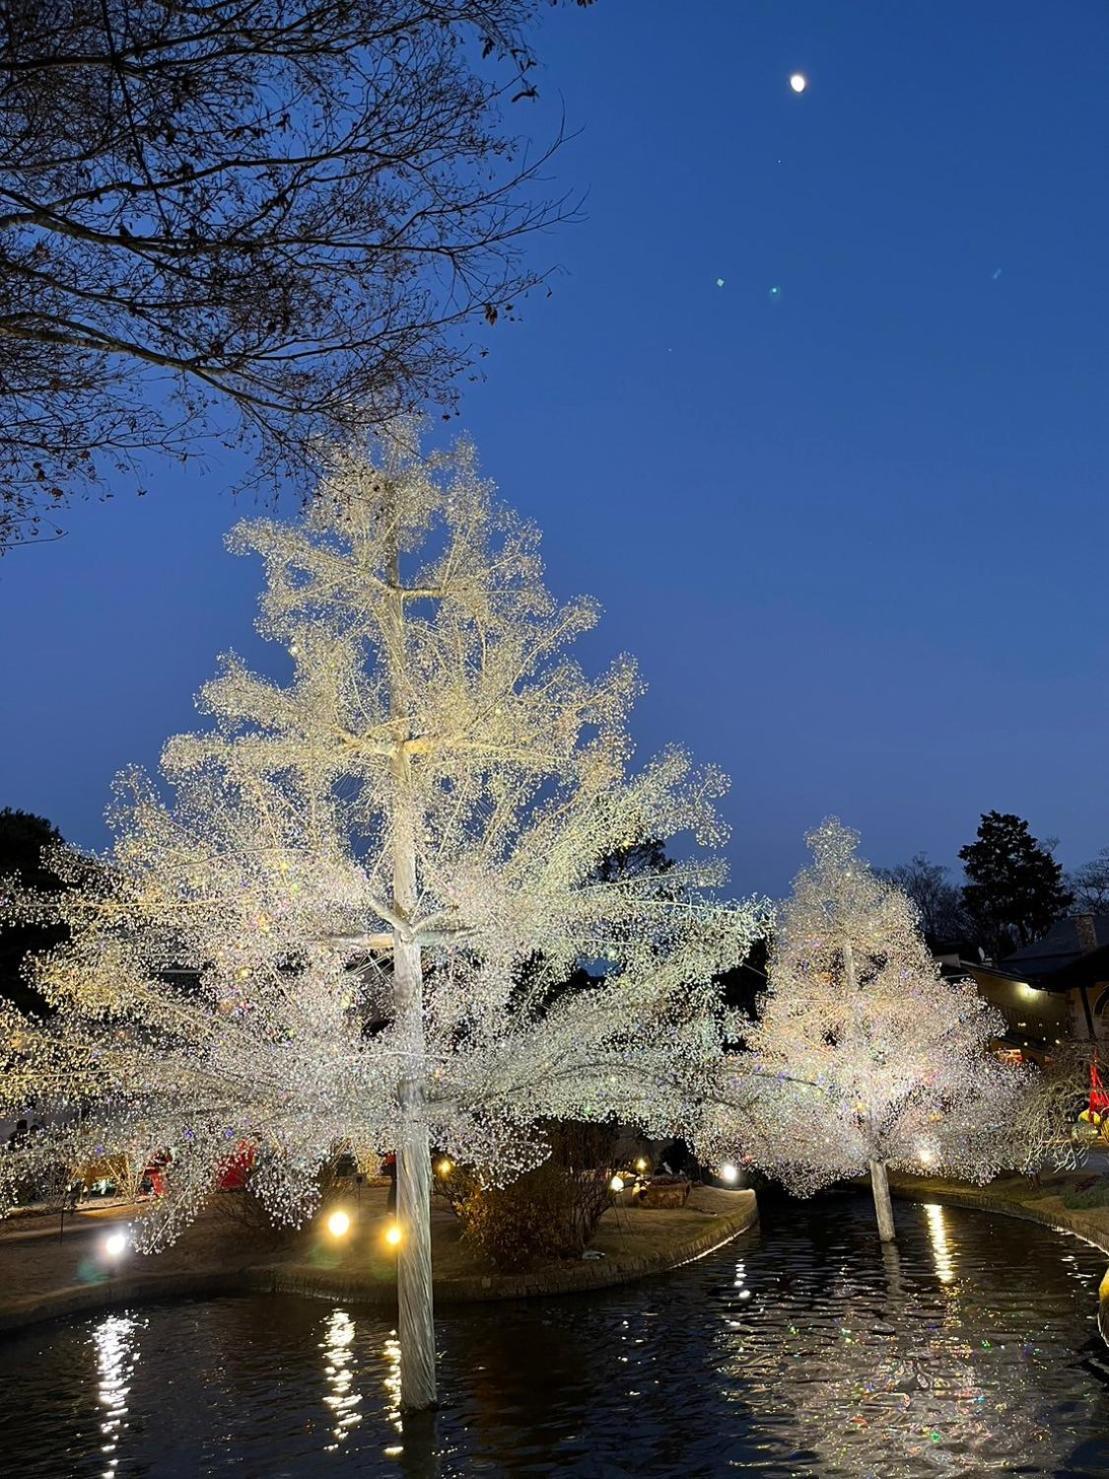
[(868, 1057), (345, 928)]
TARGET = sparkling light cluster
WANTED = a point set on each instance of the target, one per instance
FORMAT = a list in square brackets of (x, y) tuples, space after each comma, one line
[(864, 1052), (337, 922)]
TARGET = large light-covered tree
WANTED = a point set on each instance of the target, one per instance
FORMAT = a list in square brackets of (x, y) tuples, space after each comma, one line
[(864, 1057), (345, 926)]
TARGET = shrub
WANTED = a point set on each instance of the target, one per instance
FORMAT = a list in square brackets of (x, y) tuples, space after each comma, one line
[(550, 1212)]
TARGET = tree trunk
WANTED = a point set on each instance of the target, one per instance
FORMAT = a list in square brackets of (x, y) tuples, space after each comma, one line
[(416, 1324), (415, 1313), (880, 1185), (415, 1316)]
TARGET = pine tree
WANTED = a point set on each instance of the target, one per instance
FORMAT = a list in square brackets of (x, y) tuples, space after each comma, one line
[(360, 866), (1015, 889), (868, 1057)]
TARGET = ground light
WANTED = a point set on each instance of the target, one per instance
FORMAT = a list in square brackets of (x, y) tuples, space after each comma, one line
[(729, 1173), (115, 1244), (393, 1235), (338, 1224)]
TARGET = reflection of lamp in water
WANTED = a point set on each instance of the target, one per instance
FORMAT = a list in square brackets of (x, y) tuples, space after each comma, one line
[(392, 1379), (941, 1251), (339, 1368), (338, 1224), (115, 1361)]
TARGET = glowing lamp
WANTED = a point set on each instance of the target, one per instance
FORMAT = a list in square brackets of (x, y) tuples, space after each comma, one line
[(799, 82), (641, 1164), (729, 1173), (445, 1167), (616, 1184), (393, 1235), (115, 1244), (338, 1224)]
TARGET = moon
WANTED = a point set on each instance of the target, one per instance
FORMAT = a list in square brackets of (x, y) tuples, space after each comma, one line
[(799, 82)]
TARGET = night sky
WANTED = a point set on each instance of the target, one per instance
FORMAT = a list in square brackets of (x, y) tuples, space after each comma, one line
[(847, 509)]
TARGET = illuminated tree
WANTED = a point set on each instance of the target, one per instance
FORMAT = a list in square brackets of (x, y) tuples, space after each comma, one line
[(869, 1058), (345, 930)]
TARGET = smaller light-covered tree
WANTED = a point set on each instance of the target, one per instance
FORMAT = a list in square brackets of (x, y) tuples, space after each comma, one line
[(864, 1057)]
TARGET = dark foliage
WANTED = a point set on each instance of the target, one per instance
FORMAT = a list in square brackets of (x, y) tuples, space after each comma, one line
[(23, 837), (1015, 889)]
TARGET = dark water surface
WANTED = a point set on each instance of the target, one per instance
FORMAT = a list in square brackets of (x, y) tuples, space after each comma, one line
[(802, 1349)]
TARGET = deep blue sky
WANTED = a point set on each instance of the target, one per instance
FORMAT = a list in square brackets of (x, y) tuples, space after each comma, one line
[(855, 533)]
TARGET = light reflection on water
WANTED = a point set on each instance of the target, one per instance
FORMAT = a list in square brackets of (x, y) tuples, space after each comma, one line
[(114, 1338), (804, 1350), (339, 1368)]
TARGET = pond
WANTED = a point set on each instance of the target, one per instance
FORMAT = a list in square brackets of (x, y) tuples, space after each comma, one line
[(800, 1349)]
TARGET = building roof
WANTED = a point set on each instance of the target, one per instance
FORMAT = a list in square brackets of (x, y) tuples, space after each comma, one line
[(1067, 941)]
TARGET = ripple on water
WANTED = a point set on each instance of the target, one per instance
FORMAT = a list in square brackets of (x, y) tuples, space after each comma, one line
[(801, 1349)]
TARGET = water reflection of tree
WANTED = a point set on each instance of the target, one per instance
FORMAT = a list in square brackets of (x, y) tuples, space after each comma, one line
[(890, 1374)]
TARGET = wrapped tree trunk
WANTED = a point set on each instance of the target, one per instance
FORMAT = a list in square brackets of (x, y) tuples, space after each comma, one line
[(415, 1313), (880, 1185)]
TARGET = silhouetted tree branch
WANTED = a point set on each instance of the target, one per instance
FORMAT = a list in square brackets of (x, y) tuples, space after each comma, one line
[(262, 221)]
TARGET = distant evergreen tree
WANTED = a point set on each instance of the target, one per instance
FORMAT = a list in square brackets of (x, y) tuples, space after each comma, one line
[(1015, 889)]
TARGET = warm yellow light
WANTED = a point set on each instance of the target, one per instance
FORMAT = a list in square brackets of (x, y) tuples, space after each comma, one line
[(338, 1224), (729, 1173), (444, 1167), (393, 1234), (641, 1164), (115, 1244), (616, 1184)]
